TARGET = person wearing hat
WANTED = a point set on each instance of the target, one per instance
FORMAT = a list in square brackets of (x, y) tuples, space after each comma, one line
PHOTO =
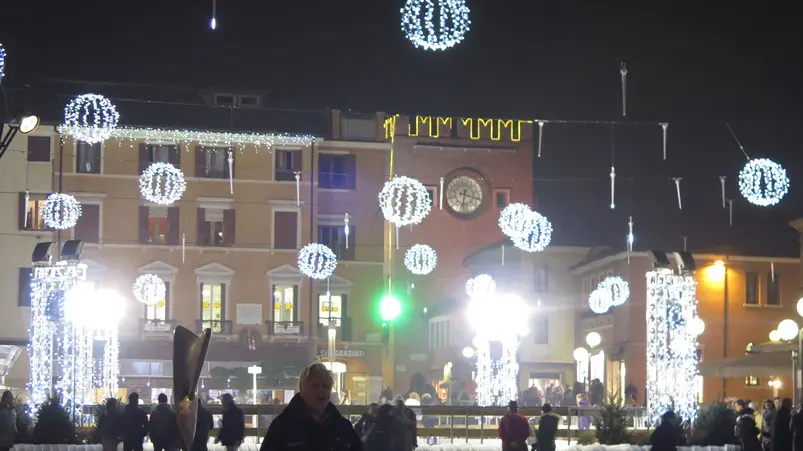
[(514, 429)]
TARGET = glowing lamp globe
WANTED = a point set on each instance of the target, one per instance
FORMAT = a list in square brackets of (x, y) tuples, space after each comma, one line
[(389, 308), (580, 354), (800, 306), (468, 352), (775, 336), (788, 329), (697, 326), (593, 339)]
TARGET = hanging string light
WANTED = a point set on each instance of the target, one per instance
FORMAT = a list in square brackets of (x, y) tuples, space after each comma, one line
[(90, 118), (61, 211), (419, 25), (2, 62)]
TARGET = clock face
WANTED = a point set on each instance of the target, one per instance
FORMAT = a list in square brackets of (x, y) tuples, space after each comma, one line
[(464, 195)]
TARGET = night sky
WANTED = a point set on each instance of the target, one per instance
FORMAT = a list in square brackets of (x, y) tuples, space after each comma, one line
[(697, 65)]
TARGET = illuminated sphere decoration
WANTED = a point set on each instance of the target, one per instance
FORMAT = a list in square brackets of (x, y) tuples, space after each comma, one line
[(61, 211), (162, 183), (404, 201), (537, 234), (580, 354), (428, 32), (420, 259), (593, 339), (600, 301), (149, 289), (513, 219), (788, 329), (317, 261), (763, 182), (619, 289), (91, 118), (481, 286)]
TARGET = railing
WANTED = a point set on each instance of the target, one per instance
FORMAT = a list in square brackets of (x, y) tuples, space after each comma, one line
[(218, 327), (157, 325), (285, 328), (358, 129), (285, 175)]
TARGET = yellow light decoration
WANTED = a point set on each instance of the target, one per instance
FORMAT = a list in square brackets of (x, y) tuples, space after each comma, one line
[(495, 127), (390, 127), (434, 124)]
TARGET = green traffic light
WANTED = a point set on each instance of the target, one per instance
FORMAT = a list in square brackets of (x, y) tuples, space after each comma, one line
[(389, 308)]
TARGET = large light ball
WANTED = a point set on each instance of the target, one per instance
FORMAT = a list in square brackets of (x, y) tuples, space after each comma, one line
[(593, 339), (404, 201), (537, 234), (61, 211), (763, 182), (580, 354), (617, 287), (317, 261), (91, 118), (697, 326), (481, 286), (512, 220), (788, 329), (431, 31), (149, 289), (162, 183), (800, 306), (468, 352), (420, 259), (775, 336), (599, 301)]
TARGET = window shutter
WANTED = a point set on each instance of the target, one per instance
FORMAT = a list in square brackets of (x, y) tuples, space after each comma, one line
[(88, 226), (144, 157), (295, 303), (222, 305), (23, 211), (272, 300), (24, 289), (174, 155), (201, 227), (172, 226), (350, 168), (200, 162), (229, 226), (167, 301), (285, 230), (144, 233), (351, 252), (297, 164)]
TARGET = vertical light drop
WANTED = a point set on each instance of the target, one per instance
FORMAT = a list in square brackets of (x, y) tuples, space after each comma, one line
[(613, 187), (231, 172), (25, 213), (664, 126), (730, 212), (677, 188), (346, 230), (722, 183), (440, 195), (623, 72), (183, 246), (213, 21), (298, 188), (540, 136)]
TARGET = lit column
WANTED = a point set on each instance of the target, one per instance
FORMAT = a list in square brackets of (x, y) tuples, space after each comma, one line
[(332, 334), (254, 371)]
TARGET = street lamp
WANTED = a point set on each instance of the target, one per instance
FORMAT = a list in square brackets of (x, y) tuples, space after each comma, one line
[(593, 339), (787, 329), (21, 124), (254, 371)]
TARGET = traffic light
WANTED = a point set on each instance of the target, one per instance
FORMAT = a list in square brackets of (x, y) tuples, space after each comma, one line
[(385, 333), (389, 308)]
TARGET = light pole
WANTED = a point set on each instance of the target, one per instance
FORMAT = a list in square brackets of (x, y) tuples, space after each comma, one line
[(254, 371), (332, 333)]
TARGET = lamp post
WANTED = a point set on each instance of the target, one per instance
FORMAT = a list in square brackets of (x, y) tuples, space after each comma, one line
[(254, 371)]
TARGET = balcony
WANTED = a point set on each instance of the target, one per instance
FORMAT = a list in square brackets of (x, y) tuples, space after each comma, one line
[(157, 326), (285, 328), (343, 330), (218, 327)]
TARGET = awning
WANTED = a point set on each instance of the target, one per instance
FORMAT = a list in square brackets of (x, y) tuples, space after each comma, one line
[(760, 365)]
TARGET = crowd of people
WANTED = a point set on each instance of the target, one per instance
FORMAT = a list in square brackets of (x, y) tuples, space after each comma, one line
[(774, 427)]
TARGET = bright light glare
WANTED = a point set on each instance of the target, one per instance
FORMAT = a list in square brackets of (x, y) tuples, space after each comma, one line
[(93, 309), (800, 306), (29, 124), (468, 352), (716, 272), (505, 316), (593, 339), (580, 354), (697, 326), (775, 336), (787, 329)]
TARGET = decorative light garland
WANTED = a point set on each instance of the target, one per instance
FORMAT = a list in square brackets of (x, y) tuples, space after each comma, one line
[(513, 218), (618, 289), (162, 183), (2, 61), (599, 301), (451, 28), (671, 345), (482, 285), (317, 261), (420, 259), (404, 201), (238, 139), (537, 236), (61, 211), (91, 117), (763, 182), (149, 289)]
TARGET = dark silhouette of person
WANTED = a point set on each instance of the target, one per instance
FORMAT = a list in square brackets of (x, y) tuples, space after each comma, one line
[(203, 426), (232, 428), (163, 426), (547, 429), (384, 433), (668, 435), (110, 425), (135, 424), (366, 420), (781, 428), (747, 430), (514, 429)]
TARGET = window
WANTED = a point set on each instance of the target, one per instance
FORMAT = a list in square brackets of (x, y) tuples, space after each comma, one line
[(159, 225), (215, 227), (158, 310), (751, 288), (541, 331), (285, 229), (439, 333), (541, 279), (88, 226), (39, 148), (212, 162), (330, 309), (24, 288), (334, 237), (213, 298), (501, 198), (158, 153), (432, 191), (598, 366), (288, 162), (284, 303), (752, 381), (87, 158), (773, 289), (224, 99), (30, 217), (249, 100), (337, 171)]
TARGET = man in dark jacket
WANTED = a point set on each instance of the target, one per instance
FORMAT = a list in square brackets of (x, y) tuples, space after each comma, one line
[(163, 427), (782, 439), (232, 428), (203, 426), (514, 429), (668, 435), (135, 424), (547, 429), (111, 425), (310, 421)]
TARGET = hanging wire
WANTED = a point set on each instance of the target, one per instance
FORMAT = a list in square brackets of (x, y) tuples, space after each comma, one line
[(739, 143)]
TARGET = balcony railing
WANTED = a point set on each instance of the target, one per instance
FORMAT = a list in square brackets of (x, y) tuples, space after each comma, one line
[(343, 330), (157, 325), (218, 327), (285, 328)]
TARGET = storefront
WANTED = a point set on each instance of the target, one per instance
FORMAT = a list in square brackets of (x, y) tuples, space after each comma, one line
[(356, 373)]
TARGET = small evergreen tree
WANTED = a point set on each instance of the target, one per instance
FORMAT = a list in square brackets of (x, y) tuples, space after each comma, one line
[(53, 424), (714, 426), (611, 422)]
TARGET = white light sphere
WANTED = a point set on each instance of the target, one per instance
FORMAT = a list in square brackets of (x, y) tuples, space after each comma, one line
[(149, 289), (593, 339), (404, 201), (800, 306), (468, 352), (788, 329), (317, 261), (435, 24), (481, 286), (61, 211), (420, 259), (618, 289), (697, 326), (91, 118), (580, 354), (537, 234), (512, 219), (763, 182), (775, 335), (599, 301), (162, 183)]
